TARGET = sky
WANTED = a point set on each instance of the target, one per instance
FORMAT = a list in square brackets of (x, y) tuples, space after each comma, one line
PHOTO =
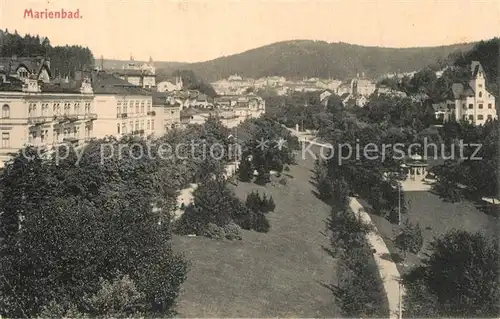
[(191, 30)]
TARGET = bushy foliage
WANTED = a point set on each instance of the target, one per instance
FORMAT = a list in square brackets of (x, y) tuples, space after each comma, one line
[(461, 274), (359, 289), (67, 227), (245, 171), (262, 204), (215, 205), (410, 239)]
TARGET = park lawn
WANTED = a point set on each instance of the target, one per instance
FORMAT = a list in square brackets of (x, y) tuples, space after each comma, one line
[(281, 273), (436, 218)]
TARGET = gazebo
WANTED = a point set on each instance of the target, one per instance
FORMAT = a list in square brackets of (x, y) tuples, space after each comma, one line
[(416, 168)]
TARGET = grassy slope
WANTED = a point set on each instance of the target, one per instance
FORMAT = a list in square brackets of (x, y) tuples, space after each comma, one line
[(437, 217), (280, 273)]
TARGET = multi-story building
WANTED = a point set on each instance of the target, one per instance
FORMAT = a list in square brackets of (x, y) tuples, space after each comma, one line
[(44, 116), (143, 75), (93, 105), (471, 101), (122, 108)]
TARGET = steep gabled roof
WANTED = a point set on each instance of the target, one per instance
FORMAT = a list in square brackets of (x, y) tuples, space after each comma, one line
[(476, 67)]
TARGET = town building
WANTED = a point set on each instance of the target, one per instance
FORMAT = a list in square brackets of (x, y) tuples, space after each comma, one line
[(170, 86), (44, 115), (143, 75), (25, 67), (122, 108), (91, 105), (472, 101), (167, 115)]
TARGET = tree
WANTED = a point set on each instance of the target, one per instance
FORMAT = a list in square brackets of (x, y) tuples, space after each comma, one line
[(245, 170), (462, 272), (84, 224), (410, 239)]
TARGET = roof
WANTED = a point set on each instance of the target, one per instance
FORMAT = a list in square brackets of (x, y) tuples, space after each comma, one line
[(34, 65), (476, 67), (105, 83)]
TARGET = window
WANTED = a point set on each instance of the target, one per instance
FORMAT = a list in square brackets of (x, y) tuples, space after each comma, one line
[(124, 128), (148, 127), (136, 125), (77, 108), (480, 85), (5, 140), (489, 105), (142, 124), (464, 106), (480, 105), (480, 94), (142, 107), (137, 107), (125, 108), (5, 111), (87, 108), (149, 107), (118, 128), (152, 124), (471, 117), (490, 117), (471, 106), (118, 111), (131, 125), (480, 117)]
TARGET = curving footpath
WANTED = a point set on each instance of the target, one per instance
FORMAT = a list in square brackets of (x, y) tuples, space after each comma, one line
[(386, 267)]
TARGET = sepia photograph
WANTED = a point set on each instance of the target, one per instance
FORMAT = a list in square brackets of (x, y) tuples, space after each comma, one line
[(249, 159)]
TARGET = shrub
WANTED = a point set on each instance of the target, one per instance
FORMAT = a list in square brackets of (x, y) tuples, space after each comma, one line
[(360, 291), (260, 223), (214, 232), (253, 201), (271, 205), (232, 231), (263, 204), (462, 273), (116, 298), (410, 238), (245, 171)]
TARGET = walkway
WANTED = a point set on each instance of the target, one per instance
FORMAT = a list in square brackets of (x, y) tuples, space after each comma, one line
[(387, 268)]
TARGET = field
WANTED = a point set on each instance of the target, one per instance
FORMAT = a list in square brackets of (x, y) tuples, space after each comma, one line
[(436, 218), (278, 274)]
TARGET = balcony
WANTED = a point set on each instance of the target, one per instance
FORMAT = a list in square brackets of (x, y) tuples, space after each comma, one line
[(70, 139), (152, 113), (39, 120), (90, 116), (72, 118)]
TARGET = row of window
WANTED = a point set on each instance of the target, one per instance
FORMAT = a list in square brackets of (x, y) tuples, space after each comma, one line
[(479, 106), (139, 125), (480, 117), (56, 108), (65, 132), (124, 109)]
